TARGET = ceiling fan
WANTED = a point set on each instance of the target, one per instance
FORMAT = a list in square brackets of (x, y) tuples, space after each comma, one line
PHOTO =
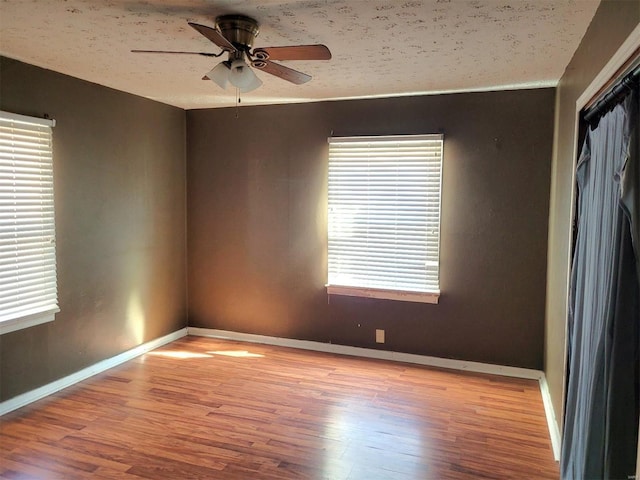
[(235, 34)]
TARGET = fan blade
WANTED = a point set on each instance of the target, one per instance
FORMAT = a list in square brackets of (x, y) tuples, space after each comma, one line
[(171, 51), (296, 52), (281, 71), (215, 36)]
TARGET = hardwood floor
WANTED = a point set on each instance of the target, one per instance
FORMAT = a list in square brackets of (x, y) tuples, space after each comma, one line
[(210, 409)]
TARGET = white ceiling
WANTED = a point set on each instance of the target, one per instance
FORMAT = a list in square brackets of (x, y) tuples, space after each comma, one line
[(380, 47)]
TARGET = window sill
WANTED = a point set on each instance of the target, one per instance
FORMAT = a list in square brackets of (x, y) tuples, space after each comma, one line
[(404, 296), (14, 324)]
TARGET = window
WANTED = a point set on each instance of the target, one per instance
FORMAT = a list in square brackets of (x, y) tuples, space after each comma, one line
[(384, 216), (28, 291)]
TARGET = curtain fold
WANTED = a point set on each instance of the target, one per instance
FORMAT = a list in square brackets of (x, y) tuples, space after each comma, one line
[(601, 411)]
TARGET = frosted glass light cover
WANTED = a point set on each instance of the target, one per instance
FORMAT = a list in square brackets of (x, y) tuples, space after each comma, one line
[(220, 75), (243, 77)]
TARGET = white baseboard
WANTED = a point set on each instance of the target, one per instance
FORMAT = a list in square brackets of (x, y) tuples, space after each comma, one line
[(552, 422), (372, 353), (41, 392)]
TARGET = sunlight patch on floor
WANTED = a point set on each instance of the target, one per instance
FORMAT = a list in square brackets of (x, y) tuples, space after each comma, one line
[(184, 354), (237, 353)]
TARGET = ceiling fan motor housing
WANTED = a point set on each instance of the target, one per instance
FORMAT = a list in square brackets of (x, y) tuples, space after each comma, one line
[(240, 30)]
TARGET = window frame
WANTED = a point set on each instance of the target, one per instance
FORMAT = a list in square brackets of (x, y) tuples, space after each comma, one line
[(44, 311), (427, 294)]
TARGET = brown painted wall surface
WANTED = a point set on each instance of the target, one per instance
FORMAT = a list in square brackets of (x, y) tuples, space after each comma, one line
[(120, 217), (611, 25), (257, 224)]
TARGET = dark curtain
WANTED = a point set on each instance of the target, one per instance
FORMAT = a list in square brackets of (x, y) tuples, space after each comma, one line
[(601, 412)]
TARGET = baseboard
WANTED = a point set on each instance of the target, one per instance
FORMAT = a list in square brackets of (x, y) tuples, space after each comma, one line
[(552, 422), (371, 353), (41, 392)]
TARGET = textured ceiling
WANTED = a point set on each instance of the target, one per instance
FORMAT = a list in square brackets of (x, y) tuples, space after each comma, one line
[(380, 48)]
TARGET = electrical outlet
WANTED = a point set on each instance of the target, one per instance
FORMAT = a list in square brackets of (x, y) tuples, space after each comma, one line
[(379, 336)]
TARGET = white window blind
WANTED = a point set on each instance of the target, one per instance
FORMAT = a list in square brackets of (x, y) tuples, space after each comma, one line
[(28, 290), (384, 216)]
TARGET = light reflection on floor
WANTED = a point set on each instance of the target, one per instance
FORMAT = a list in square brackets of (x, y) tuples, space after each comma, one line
[(237, 353), (362, 444), (183, 354)]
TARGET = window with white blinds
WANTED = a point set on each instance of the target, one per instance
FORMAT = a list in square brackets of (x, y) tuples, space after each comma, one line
[(384, 216), (28, 287)]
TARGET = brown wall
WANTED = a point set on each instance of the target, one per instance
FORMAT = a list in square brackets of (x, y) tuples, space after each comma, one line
[(611, 25), (119, 178), (257, 224)]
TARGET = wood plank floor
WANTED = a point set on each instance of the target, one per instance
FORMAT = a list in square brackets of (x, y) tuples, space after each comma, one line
[(202, 408)]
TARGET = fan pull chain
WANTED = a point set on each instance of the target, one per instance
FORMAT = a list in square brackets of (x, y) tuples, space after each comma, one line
[(237, 102)]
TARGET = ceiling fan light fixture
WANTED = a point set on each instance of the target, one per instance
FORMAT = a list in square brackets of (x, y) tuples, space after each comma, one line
[(243, 77), (234, 35), (220, 75)]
